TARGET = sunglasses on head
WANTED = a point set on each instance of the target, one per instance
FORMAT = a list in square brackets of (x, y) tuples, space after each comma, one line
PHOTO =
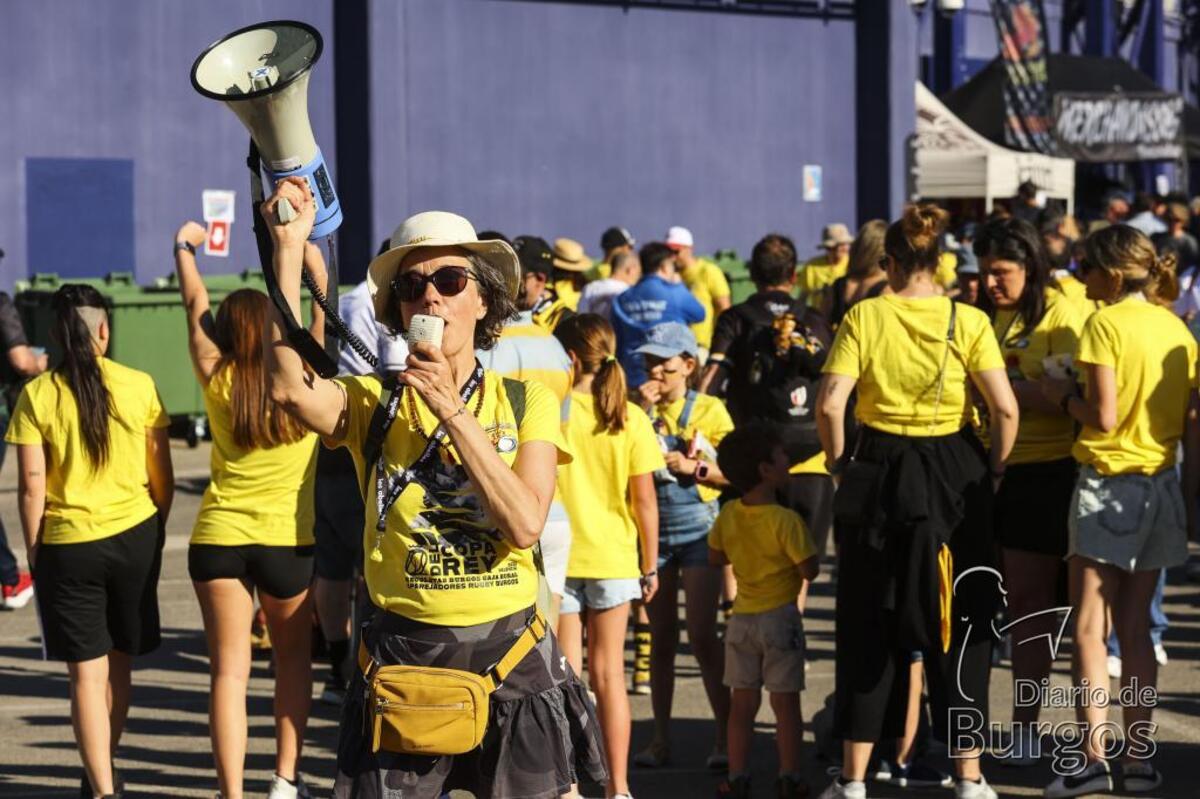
[(449, 281)]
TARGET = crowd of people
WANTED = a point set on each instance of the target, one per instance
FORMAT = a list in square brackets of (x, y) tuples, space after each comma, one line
[(982, 420)]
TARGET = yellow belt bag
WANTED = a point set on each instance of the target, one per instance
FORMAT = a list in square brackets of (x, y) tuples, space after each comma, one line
[(425, 710)]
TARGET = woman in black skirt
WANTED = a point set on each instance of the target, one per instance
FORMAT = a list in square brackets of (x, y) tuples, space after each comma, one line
[(915, 507), (1038, 329), (457, 467)]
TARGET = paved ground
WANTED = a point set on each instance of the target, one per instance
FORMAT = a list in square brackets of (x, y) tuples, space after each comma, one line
[(166, 750)]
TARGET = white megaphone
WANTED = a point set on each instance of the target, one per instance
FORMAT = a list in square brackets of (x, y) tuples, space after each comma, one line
[(261, 73)]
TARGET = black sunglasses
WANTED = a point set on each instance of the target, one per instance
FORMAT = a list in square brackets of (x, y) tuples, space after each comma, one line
[(449, 281)]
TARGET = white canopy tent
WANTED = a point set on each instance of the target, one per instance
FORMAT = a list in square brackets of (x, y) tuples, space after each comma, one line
[(951, 160)]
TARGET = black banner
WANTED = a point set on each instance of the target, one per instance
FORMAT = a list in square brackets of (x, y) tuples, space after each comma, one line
[(1022, 35), (1130, 126)]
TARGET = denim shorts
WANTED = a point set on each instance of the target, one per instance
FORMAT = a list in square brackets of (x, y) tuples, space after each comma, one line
[(1135, 522), (685, 556), (583, 592)]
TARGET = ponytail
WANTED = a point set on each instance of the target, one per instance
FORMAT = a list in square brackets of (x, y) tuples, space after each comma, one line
[(592, 340), (1164, 282), (79, 311), (1128, 255)]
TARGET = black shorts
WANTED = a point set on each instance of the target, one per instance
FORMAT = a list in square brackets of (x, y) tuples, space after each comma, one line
[(340, 515), (100, 595), (1033, 505), (279, 572)]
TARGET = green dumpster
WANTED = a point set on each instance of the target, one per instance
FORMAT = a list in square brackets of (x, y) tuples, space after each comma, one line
[(740, 284), (148, 332)]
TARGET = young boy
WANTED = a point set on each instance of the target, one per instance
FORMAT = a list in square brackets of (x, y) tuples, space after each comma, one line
[(772, 553)]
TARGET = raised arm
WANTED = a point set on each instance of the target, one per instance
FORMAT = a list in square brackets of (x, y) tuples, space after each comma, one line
[(201, 346), (314, 262), (319, 404)]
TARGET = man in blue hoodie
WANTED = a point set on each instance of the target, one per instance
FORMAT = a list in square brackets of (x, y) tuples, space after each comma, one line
[(659, 297)]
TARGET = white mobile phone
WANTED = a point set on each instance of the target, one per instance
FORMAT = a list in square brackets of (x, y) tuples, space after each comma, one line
[(426, 329)]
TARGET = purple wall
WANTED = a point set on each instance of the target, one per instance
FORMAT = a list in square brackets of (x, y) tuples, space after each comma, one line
[(561, 120), (80, 80)]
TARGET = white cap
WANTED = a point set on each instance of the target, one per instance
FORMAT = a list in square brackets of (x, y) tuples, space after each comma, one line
[(679, 237)]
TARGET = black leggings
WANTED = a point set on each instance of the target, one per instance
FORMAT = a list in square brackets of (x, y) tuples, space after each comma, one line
[(872, 665)]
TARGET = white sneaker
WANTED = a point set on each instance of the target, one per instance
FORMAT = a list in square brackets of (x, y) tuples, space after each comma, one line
[(966, 789), (1114, 667), (622, 796), (851, 790), (1160, 654), (282, 789), (1095, 778), (1025, 748)]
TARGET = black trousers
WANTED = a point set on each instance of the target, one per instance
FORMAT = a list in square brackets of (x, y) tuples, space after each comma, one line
[(872, 663)]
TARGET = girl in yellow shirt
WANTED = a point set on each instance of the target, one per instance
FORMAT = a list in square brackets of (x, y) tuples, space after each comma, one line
[(1037, 328), (1128, 519), (95, 488), (254, 532), (608, 491), (689, 426)]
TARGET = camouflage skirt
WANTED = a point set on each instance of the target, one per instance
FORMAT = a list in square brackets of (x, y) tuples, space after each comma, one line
[(542, 733)]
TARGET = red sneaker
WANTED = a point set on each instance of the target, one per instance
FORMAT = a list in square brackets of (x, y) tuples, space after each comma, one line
[(18, 596)]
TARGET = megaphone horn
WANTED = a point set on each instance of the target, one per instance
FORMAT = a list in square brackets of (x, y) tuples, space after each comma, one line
[(261, 73)]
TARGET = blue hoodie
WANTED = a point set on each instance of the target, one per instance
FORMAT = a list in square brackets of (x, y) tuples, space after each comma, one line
[(652, 301)]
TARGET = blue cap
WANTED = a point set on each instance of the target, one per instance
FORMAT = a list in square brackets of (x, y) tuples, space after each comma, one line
[(669, 339)]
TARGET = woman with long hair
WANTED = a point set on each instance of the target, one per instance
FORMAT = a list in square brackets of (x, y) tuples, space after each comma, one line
[(1037, 327), (865, 276), (254, 532), (457, 467), (914, 504), (1128, 519), (95, 488), (608, 491)]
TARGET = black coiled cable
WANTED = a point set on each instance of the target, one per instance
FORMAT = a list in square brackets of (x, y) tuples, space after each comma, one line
[(331, 315)]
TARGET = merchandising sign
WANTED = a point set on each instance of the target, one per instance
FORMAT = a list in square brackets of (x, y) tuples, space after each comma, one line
[(1131, 126)]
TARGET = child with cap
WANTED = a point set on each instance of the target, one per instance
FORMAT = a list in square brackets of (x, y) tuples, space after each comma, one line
[(688, 425), (772, 555)]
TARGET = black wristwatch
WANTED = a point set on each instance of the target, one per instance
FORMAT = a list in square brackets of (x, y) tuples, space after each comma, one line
[(184, 245)]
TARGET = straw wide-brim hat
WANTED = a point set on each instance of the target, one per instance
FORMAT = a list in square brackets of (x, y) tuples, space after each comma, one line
[(835, 234), (435, 229), (569, 256)]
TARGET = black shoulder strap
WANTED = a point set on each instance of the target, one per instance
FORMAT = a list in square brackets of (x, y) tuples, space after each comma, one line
[(953, 321), (515, 389), (377, 429)]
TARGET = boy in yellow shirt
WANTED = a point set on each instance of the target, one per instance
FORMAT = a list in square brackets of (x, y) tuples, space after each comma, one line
[(772, 555)]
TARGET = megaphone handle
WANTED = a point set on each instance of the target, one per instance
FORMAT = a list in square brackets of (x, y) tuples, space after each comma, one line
[(284, 211)]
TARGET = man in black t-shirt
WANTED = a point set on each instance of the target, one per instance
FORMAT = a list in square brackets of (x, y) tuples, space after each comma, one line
[(767, 354), (18, 363)]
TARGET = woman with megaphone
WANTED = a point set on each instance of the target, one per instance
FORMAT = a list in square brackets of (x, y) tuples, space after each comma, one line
[(254, 532), (461, 686)]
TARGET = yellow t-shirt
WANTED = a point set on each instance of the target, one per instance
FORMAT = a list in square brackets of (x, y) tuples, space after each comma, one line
[(443, 561), (1041, 437), (595, 488), (1072, 286), (83, 504), (895, 346), (567, 295), (551, 314), (764, 543), (1154, 357), (707, 282), (947, 270), (256, 496), (708, 418), (814, 465), (816, 275)]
